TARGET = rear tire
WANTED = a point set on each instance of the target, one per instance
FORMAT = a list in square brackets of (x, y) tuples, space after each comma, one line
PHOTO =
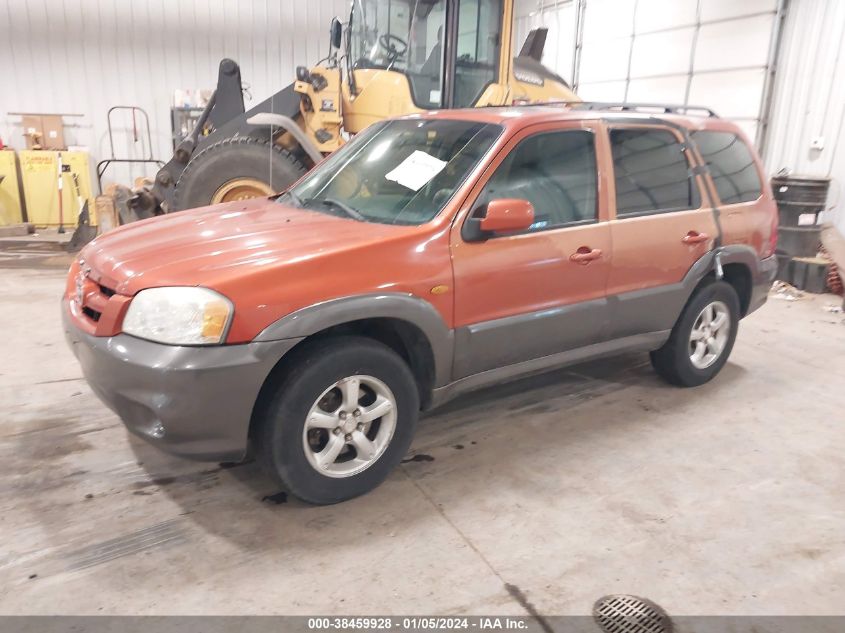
[(225, 161), (696, 351), (302, 419)]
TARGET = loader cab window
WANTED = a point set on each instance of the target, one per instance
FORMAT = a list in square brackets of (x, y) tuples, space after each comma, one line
[(404, 36), (412, 37), (477, 49)]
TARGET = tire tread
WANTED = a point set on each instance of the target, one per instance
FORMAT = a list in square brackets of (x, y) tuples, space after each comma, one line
[(671, 362), (282, 397), (199, 160)]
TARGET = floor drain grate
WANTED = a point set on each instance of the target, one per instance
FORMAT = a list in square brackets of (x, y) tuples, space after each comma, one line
[(630, 614)]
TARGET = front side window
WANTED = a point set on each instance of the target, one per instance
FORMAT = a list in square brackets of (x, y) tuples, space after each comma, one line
[(396, 172), (651, 172), (731, 166), (555, 172)]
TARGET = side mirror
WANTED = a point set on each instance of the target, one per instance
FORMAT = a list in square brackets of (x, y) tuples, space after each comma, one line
[(508, 215), (336, 31)]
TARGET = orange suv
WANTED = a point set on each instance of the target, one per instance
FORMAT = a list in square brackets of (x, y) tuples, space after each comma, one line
[(432, 254)]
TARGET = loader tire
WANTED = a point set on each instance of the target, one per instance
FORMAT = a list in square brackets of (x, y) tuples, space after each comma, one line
[(234, 161)]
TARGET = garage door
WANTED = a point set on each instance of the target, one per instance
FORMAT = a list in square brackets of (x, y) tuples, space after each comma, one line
[(713, 53)]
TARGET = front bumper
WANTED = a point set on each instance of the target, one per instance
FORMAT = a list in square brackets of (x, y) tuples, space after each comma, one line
[(761, 282), (191, 401)]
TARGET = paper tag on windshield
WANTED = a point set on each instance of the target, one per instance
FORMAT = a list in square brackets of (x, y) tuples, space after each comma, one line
[(416, 171)]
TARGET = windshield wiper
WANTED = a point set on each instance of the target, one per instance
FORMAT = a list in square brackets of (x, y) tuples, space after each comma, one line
[(337, 204), (297, 202)]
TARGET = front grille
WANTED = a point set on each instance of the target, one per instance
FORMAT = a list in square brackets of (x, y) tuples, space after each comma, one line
[(92, 314), (94, 298)]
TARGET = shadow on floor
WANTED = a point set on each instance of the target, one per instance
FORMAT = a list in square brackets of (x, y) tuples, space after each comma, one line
[(217, 496)]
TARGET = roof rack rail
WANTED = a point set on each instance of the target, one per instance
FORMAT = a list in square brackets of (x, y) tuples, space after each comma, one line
[(654, 108), (665, 108)]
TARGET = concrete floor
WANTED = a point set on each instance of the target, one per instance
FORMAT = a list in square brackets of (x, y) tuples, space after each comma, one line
[(726, 499)]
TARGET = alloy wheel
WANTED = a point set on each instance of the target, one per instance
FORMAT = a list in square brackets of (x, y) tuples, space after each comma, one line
[(349, 426), (709, 336)]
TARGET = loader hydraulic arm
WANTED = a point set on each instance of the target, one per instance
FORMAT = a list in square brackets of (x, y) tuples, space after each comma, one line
[(224, 117)]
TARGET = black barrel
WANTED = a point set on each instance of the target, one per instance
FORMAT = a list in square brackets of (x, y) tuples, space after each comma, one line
[(800, 201)]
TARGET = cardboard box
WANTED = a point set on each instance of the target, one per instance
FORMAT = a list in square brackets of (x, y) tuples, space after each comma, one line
[(33, 130), (43, 131), (107, 217), (54, 131)]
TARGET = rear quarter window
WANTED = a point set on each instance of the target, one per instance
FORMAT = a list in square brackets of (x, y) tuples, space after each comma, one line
[(731, 165)]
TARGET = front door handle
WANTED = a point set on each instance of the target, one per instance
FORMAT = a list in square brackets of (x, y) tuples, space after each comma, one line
[(694, 237), (585, 255)]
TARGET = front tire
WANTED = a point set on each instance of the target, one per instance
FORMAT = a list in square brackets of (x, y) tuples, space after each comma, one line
[(702, 339), (236, 168), (339, 421)]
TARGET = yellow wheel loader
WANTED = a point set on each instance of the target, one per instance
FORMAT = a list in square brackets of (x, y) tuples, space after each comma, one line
[(392, 57)]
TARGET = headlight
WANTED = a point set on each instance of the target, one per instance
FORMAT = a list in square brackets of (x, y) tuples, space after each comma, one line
[(179, 316)]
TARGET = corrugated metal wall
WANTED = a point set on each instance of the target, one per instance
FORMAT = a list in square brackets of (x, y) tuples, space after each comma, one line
[(809, 98), (84, 56)]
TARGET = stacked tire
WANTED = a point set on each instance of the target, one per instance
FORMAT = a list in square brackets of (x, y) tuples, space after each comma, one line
[(800, 201)]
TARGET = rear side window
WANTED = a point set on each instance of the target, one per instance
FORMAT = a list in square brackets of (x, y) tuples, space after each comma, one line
[(652, 173), (555, 172), (731, 166)]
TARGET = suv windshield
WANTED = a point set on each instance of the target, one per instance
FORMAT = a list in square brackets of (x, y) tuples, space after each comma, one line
[(396, 172)]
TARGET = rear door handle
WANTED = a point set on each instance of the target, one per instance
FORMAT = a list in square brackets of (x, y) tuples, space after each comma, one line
[(694, 237), (585, 255)]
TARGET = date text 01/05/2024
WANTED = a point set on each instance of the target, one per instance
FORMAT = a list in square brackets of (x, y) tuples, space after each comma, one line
[(418, 623)]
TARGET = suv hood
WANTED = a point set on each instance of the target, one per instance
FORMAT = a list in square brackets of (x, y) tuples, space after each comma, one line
[(204, 246)]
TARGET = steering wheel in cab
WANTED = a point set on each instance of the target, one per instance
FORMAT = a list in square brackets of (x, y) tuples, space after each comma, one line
[(393, 45)]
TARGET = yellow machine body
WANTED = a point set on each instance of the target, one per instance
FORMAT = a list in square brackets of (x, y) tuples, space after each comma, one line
[(389, 59), (332, 107)]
